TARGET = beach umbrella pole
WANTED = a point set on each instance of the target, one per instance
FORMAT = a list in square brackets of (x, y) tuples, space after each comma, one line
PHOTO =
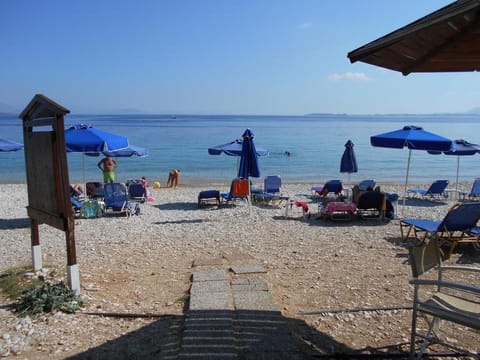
[(406, 180), (83, 172), (456, 182)]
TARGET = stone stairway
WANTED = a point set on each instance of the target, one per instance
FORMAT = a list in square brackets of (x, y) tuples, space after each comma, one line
[(232, 315)]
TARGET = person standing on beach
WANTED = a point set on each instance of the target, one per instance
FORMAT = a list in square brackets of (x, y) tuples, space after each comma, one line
[(173, 177), (108, 166)]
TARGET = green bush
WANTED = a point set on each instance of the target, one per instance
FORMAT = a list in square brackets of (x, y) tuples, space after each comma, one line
[(48, 298)]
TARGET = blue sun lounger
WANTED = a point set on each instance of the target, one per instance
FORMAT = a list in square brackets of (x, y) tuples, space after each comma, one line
[(334, 186), (366, 185), (458, 225), (436, 190), (272, 190), (117, 201), (474, 193)]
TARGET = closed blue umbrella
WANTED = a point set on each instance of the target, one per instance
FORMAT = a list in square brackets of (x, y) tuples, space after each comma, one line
[(414, 138), (249, 159), (8, 145), (348, 163)]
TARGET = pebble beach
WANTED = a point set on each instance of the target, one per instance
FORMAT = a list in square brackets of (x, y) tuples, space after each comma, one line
[(139, 268)]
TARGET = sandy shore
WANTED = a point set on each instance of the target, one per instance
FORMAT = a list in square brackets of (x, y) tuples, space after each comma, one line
[(143, 264)]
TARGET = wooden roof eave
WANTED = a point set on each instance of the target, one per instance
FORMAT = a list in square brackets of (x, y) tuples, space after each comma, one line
[(448, 12)]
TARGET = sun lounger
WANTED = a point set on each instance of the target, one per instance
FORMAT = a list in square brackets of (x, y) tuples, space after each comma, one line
[(207, 197), (239, 190), (372, 204), (332, 186), (272, 191), (117, 201), (459, 225), (435, 191), (366, 185), (474, 192)]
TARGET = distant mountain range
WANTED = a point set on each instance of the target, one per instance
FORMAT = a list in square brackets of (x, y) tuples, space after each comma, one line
[(474, 111), (6, 109)]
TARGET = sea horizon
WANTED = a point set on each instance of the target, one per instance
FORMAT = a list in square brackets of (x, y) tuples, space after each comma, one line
[(314, 141)]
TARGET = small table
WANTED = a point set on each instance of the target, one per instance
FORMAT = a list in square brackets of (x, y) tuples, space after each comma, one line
[(299, 204), (337, 210)]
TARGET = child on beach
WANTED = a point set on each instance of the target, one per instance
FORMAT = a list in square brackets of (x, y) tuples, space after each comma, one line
[(173, 177), (144, 182)]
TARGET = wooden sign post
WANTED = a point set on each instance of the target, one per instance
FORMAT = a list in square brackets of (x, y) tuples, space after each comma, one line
[(47, 179)]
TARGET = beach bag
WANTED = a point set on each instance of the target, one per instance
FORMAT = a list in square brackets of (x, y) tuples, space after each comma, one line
[(90, 209), (390, 210), (133, 208)]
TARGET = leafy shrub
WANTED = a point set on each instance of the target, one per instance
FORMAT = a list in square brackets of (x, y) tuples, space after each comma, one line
[(48, 298)]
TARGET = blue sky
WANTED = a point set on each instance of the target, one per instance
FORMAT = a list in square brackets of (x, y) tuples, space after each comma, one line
[(216, 57)]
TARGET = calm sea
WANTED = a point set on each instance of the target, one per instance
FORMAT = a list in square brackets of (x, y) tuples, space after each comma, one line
[(315, 143)]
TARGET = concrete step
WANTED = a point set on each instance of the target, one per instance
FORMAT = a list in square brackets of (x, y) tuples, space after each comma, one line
[(235, 318)]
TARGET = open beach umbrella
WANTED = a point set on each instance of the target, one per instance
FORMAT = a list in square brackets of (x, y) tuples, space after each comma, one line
[(84, 138), (348, 163), (414, 138), (462, 148), (233, 148), (8, 145), (248, 159), (130, 151)]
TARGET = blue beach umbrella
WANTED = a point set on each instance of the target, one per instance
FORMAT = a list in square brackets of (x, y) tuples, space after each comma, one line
[(462, 148), (8, 145), (85, 138), (348, 163), (414, 138), (130, 151), (233, 148), (249, 158)]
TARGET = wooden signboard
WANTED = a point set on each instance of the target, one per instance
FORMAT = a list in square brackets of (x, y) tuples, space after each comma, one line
[(47, 178)]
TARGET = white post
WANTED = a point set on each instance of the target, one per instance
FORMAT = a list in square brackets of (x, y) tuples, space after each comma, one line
[(73, 274), (37, 257)]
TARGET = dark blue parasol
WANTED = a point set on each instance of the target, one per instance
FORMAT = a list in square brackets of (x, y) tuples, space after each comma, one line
[(348, 163), (249, 158)]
